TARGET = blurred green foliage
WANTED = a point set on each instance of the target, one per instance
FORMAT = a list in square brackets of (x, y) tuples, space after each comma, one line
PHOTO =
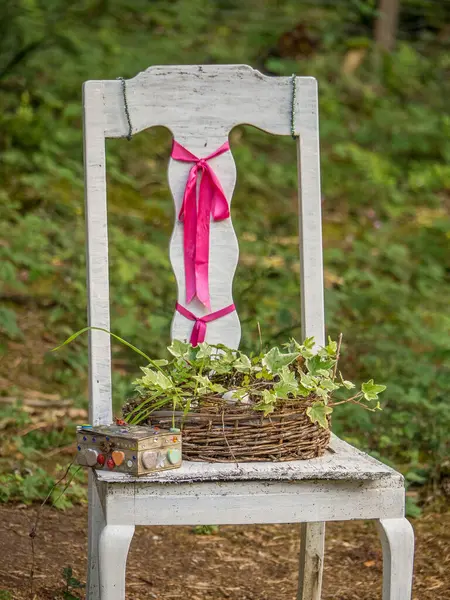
[(385, 148)]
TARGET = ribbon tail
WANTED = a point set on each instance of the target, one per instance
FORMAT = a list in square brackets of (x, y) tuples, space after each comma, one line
[(220, 207), (179, 152), (188, 214), (206, 192), (198, 333)]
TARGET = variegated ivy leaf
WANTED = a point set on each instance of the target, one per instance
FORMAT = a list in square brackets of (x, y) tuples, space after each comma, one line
[(328, 351), (329, 385), (347, 384), (318, 363), (156, 379), (324, 372), (371, 390), (204, 351), (308, 381), (179, 349), (204, 384), (274, 360), (309, 343), (216, 387), (243, 364), (267, 404), (318, 413), (287, 384), (303, 392), (305, 349), (323, 394)]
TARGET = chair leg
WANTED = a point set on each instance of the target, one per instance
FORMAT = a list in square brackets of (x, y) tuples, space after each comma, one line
[(312, 545), (113, 551), (397, 540), (96, 523)]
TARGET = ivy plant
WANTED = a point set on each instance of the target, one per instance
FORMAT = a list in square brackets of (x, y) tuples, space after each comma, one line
[(195, 376)]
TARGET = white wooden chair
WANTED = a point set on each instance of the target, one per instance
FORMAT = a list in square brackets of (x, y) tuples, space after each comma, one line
[(200, 105)]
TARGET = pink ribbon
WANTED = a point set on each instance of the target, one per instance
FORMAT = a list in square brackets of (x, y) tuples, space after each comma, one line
[(198, 333), (211, 201)]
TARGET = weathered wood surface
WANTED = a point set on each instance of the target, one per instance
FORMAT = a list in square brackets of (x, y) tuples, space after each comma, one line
[(341, 462), (312, 550), (246, 502)]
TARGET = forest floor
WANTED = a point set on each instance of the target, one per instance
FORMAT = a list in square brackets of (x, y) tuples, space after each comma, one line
[(245, 563)]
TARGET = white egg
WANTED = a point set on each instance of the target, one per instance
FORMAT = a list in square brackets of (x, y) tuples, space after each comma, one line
[(228, 396)]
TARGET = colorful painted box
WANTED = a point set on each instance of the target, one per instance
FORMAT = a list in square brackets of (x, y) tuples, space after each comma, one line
[(131, 449)]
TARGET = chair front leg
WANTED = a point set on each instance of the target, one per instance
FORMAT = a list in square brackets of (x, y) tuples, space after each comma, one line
[(312, 545), (397, 540), (113, 551)]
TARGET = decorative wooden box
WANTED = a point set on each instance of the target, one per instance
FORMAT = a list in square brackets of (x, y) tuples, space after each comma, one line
[(131, 449)]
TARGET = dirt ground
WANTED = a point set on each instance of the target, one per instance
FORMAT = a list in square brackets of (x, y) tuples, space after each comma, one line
[(245, 563)]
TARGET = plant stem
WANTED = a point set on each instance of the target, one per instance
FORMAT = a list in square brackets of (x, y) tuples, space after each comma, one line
[(352, 399), (338, 353)]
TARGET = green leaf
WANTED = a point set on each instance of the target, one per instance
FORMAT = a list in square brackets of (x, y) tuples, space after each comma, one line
[(309, 343), (178, 348), (8, 323), (243, 364), (322, 394), (318, 413), (267, 404), (118, 338), (204, 351), (219, 389), (347, 384), (309, 382), (324, 373), (205, 384), (287, 384), (303, 392), (319, 363), (331, 347), (412, 509), (274, 360), (371, 390), (74, 583), (240, 394), (157, 379), (327, 384), (305, 349)]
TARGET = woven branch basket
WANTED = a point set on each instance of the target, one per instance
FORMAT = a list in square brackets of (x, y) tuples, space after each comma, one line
[(223, 432)]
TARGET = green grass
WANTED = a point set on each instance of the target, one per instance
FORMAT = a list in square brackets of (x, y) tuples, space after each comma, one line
[(385, 154)]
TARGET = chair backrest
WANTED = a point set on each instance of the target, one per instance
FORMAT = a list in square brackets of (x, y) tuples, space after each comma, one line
[(199, 105)]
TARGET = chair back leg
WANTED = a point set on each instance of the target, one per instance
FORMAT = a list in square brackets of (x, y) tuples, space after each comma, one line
[(96, 523), (311, 561)]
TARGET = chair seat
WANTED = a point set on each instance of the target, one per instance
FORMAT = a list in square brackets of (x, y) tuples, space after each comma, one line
[(341, 462)]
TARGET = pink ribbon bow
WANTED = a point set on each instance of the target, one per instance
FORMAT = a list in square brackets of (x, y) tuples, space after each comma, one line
[(211, 201), (199, 330)]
